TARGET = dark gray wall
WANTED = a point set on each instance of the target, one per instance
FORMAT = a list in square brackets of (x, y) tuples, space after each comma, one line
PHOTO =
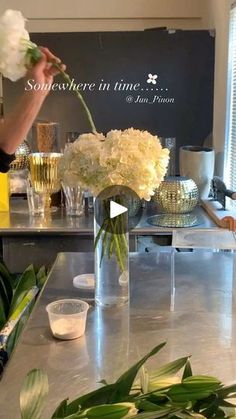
[(183, 61)]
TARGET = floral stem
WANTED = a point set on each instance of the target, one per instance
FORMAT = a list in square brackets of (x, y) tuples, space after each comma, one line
[(34, 54), (79, 96)]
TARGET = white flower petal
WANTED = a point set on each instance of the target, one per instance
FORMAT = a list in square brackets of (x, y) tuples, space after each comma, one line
[(12, 48)]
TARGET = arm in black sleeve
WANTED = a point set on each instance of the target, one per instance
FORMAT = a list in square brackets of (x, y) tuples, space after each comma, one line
[(5, 161)]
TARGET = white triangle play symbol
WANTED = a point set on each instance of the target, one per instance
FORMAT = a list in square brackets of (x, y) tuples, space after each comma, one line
[(116, 209)]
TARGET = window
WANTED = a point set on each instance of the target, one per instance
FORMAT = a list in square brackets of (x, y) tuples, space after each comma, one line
[(230, 147)]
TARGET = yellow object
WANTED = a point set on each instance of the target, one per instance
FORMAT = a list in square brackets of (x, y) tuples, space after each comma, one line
[(4, 192), (44, 174)]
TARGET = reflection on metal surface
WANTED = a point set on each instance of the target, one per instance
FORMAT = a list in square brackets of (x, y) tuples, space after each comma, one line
[(105, 348), (199, 239), (40, 221), (174, 220), (20, 222), (176, 195), (201, 325), (74, 364)]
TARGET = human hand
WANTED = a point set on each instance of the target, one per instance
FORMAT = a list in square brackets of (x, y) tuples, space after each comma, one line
[(43, 72)]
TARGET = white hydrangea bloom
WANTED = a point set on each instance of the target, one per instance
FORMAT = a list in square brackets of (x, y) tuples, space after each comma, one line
[(132, 158), (12, 45)]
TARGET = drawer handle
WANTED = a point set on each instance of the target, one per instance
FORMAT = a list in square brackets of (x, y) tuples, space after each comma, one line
[(29, 244)]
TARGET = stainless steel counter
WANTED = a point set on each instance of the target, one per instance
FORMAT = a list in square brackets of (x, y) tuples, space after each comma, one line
[(19, 222), (203, 324)]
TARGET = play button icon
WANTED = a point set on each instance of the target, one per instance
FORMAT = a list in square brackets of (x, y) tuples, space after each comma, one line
[(116, 209)]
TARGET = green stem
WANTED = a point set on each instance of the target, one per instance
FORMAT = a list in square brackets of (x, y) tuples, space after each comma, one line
[(114, 237), (34, 54), (116, 243), (104, 246), (79, 96), (119, 254), (100, 233)]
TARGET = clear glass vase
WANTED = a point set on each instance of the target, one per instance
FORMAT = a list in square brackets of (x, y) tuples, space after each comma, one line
[(111, 255), (74, 200)]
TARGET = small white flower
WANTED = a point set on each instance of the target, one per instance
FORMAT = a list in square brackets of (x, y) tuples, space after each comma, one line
[(13, 45), (152, 78)]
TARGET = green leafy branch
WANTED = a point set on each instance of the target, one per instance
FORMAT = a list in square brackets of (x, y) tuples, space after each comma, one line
[(17, 297), (154, 395)]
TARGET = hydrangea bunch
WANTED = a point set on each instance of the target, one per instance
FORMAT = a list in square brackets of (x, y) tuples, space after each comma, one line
[(14, 44), (131, 158)]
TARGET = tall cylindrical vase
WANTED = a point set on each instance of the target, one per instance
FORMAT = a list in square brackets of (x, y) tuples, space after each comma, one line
[(198, 163), (111, 255)]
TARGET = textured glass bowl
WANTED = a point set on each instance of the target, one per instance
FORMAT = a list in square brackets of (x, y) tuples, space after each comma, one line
[(176, 195)]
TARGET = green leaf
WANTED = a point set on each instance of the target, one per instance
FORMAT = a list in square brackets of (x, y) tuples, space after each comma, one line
[(187, 370), (33, 394), (193, 388), (188, 415), (6, 291), (148, 406), (4, 272), (125, 382), (60, 412), (208, 407), (227, 391), (157, 398), (96, 397), (112, 393), (104, 382), (105, 411), (144, 379), (202, 380), (41, 277), (163, 383), (169, 369), (7, 281), (3, 317), (5, 303), (14, 336), (25, 283), (154, 415)]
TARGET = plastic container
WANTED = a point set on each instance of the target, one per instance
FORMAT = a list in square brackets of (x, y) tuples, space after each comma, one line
[(67, 318)]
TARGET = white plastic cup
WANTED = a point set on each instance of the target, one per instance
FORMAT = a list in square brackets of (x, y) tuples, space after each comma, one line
[(67, 318)]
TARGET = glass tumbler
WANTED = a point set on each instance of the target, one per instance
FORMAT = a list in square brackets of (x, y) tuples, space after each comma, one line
[(74, 200), (36, 201)]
